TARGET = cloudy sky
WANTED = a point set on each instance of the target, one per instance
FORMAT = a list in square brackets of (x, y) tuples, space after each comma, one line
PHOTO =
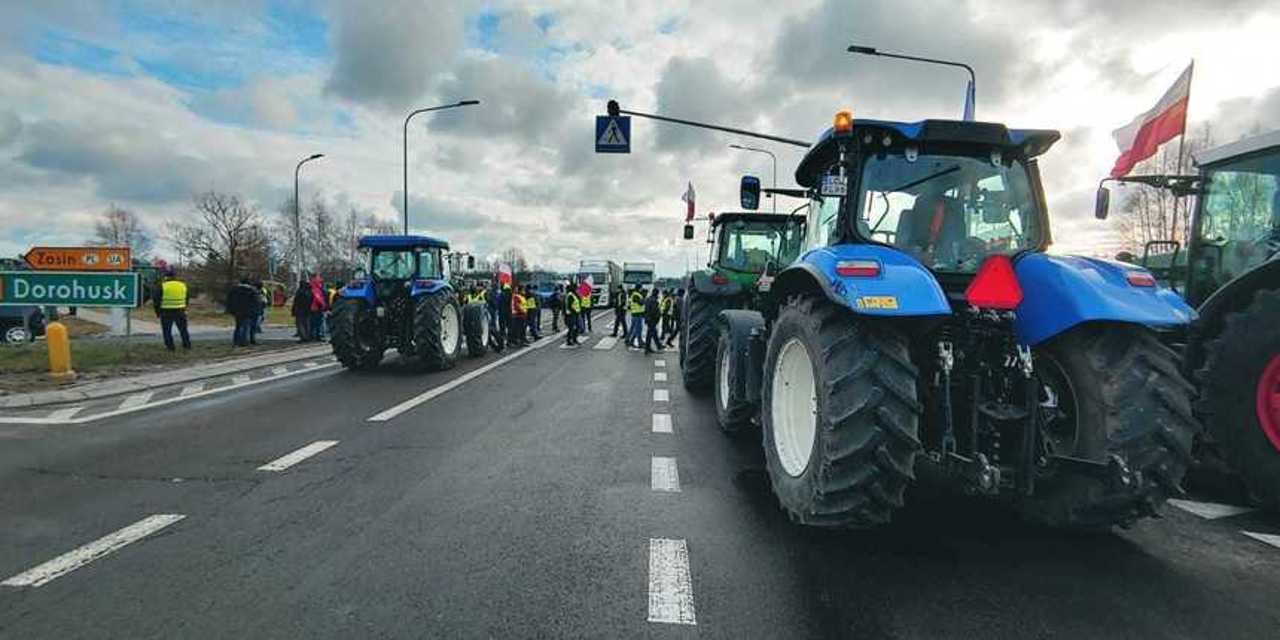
[(142, 104)]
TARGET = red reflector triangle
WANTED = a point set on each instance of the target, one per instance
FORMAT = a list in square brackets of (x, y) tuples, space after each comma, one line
[(995, 286)]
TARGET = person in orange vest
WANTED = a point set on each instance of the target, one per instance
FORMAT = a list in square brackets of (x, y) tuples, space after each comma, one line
[(519, 313)]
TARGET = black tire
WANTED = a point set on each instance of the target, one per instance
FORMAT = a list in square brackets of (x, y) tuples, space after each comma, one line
[(356, 344), (867, 419), (428, 313), (475, 324), (1126, 403), (698, 340), (732, 413), (1235, 360)]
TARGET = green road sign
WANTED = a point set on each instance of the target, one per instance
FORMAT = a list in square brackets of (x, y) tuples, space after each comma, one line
[(69, 289)]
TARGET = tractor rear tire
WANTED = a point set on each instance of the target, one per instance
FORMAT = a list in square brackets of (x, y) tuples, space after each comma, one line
[(1130, 405), (698, 340), (732, 413), (1234, 395), (344, 329), (841, 416), (437, 330), (475, 324)]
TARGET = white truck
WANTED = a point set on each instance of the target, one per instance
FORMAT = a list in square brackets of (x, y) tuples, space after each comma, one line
[(639, 273), (606, 276)]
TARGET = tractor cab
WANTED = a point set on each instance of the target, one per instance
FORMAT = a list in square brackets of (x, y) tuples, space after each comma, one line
[(402, 266), (748, 245), (946, 193)]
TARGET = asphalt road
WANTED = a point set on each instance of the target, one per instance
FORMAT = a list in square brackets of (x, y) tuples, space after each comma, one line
[(536, 499)]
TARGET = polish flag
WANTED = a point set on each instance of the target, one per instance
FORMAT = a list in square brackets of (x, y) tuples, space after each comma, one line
[(688, 198), (504, 274), (1140, 139)]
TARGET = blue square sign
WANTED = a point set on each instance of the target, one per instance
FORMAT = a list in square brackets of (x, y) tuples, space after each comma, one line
[(613, 134)]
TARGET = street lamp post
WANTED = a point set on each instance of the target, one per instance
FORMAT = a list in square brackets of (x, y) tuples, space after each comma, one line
[(971, 97), (461, 103), (773, 196), (297, 208)]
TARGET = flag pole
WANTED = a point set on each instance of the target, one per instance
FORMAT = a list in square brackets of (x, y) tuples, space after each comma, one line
[(1173, 233)]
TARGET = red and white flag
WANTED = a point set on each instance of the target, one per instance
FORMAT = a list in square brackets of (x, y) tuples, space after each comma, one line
[(1140, 139), (688, 198), (504, 274)]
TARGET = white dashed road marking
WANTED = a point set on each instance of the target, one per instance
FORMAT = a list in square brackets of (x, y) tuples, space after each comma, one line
[(662, 423), (191, 388), (659, 363), (240, 379), (663, 474), (65, 413), (105, 545), (135, 400), (661, 395), (606, 343), (288, 460), (1210, 510), (1268, 538), (279, 371), (659, 376), (670, 589)]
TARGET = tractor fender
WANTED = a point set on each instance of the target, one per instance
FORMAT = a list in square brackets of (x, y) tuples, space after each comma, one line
[(701, 280), (360, 290), (1232, 296), (1060, 292), (903, 287), (428, 287), (746, 366)]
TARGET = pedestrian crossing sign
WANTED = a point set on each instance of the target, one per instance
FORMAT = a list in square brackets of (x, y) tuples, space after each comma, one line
[(613, 134)]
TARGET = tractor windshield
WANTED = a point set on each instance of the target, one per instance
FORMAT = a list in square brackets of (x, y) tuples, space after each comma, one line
[(1240, 211), (948, 211), (403, 265), (749, 246)]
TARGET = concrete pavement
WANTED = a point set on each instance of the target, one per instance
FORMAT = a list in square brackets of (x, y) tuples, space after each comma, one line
[(543, 498)]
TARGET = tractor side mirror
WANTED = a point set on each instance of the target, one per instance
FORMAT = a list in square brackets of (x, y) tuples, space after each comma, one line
[(471, 263), (749, 193), (1102, 204), (688, 232)]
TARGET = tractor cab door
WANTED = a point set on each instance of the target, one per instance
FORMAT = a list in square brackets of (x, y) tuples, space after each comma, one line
[(1237, 225)]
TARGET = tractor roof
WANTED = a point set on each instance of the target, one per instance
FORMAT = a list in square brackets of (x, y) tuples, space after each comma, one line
[(752, 216), (1232, 150), (402, 242), (945, 134)]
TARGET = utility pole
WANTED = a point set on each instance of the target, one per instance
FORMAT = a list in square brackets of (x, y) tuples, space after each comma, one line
[(461, 103), (297, 213), (971, 95)]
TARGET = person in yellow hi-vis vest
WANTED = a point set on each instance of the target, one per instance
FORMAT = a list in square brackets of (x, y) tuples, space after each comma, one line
[(635, 307), (571, 309), (171, 308), (532, 312)]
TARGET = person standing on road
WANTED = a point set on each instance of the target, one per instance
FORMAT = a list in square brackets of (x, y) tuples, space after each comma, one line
[(666, 307), (584, 302), (635, 307), (556, 303), (302, 311), (319, 305), (570, 317), (504, 309), (533, 314), (171, 308), (519, 316), (264, 303), (677, 317), (652, 314), (619, 301), (242, 304)]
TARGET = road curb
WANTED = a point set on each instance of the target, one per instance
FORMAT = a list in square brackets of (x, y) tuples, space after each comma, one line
[(96, 390)]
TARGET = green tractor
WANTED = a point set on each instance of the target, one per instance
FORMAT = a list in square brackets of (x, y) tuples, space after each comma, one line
[(1230, 272), (747, 250)]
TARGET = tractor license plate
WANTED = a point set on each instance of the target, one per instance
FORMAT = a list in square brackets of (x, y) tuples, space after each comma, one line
[(835, 185), (878, 302)]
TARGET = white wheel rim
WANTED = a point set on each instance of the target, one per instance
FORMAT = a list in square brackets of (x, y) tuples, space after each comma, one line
[(484, 330), (795, 408), (16, 334), (723, 380), (449, 329)]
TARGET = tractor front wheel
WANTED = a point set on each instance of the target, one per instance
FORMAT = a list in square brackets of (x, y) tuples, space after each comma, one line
[(1240, 395), (840, 416), (732, 412), (698, 340), (354, 334), (475, 324), (437, 330)]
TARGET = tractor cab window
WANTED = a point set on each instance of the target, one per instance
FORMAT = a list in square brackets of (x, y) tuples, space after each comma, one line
[(948, 211), (824, 218), (429, 264), (1240, 213), (748, 246), (393, 265)]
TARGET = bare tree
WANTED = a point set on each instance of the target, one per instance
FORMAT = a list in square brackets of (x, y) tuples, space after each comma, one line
[(118, 227), (226, 239)]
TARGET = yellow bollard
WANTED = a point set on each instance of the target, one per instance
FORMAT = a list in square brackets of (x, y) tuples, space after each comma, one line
[(55, 335)]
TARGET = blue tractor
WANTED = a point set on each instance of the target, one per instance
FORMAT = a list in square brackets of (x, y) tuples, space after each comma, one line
[(923, 333), (404, 301)]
